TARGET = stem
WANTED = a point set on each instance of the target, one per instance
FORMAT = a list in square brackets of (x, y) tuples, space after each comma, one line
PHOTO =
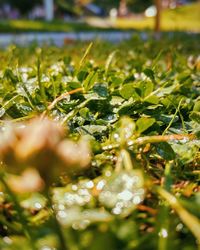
[(164, 229), (41, 86), (188, 219), (160, 138), (163, 241), (119, 165), (152, 139), (20, 213), (126, 160), (59, 98), (168, 179)]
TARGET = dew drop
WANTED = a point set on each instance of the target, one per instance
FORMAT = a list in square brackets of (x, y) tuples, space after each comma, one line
[(163, 233), (179, 227), (89, 184), (100, 185), (37, 205)]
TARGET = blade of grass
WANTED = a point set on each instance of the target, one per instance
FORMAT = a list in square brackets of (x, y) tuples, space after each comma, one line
[(41, 86), (188, 219), (170, 123), (155, 61), (109, 61), (85, 55)]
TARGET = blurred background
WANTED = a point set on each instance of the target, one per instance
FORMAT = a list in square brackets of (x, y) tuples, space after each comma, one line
[(97, 16)]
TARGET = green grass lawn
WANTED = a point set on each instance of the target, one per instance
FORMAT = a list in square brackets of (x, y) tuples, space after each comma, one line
[(29, 25), (185, 18)]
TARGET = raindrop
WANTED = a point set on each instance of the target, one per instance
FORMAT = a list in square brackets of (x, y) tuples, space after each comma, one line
[(179, 227), (108, 173), (100, 184), (62, 214), (116, 210), (163, 233), (89, 184), (136, 200), (37, 205)]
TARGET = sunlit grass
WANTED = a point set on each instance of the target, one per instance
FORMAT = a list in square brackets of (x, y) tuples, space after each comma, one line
[(29, 25)]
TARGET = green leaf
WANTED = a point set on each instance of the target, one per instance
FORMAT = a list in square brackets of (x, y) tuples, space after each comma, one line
[(144, 123), (125, 129), (92, 129), (127, 91), (149, 72), (90, 80), (82, 75), (74, 85), (152, 99), (86, 114), (101, 89), (186, 152), (195, 116), (197, 106), (165, 150), (146, 88), (116, 81), (11, 76)]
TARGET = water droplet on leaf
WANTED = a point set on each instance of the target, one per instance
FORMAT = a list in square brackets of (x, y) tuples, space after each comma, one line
[(123, 191)]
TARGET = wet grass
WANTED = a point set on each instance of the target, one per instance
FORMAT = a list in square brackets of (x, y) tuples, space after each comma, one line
[(99, 145)]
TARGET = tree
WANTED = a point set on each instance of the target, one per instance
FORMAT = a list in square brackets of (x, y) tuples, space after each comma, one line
[(158, 16), (123, 10)]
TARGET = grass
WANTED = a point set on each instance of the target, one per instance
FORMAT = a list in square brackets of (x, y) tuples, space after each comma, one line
[(184, 18), (100, 145), (16, 26)]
